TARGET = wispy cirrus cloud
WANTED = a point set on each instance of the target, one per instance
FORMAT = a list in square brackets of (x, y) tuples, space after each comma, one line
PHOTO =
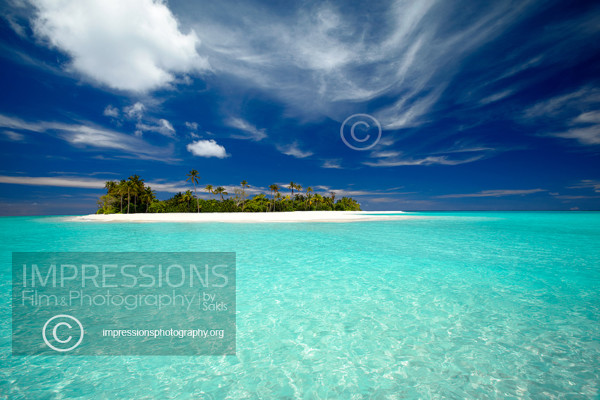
[(587, 184), (323, 59), (397, 161), (493, 193), (249, 130), (83, 135), (574, 115), (86, 183), (332, 164), (14, 136), (294, 150), (136, 113), (161, 126), (63, 181), (111, 111), (317, 60)]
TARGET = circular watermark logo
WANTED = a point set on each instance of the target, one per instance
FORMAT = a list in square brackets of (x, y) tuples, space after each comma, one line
[(62, 330), (360, 131)]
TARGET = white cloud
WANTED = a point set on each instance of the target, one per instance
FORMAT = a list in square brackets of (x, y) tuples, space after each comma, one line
[(386, 154), (111, 111), (170, 187), (333, 164), (19, 124), (166, 125), (493, 193), (588, 117), (191, 125), (14, 136), (496, 96), (133, 45), (207, 148), (251, 132), (135, 111), (161, 126), (585, 136), (294, 151)]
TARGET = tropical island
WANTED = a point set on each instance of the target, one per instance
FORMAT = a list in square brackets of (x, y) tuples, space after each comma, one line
[(132, 195)]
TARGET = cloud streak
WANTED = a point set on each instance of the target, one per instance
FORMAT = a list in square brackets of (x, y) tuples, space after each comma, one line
[(429, 160), (294, 150), (80, 135), (250, 131), (85, 183), (577, 113), (493, 193)]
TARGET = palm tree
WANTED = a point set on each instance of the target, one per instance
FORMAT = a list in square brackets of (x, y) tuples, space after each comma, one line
[(209, 189), (148, 196), (129, 185), (292, 186), (110, 186), (121, 190), (274, 189), (221, 190), (309, 190), (194, 177), (187, 197), (318, 200), (137, 187), (244, 185), (298, 189), (111, 190)]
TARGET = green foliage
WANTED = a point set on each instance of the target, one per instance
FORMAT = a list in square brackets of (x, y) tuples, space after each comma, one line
[(132, 195), (347, 204)]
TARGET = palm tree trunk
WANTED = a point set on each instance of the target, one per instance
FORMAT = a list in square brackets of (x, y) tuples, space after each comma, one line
[(196, 194)]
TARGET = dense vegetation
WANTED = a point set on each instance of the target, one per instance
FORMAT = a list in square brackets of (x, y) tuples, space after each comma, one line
[(132, 195)]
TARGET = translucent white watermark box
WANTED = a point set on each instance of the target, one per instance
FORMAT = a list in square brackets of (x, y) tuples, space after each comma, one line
[(132, 303)]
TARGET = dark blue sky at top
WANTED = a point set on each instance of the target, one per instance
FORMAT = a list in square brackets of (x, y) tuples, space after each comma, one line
[(482, 105)]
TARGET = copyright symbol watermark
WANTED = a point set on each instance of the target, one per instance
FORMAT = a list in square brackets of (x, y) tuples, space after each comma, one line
[(62, 328), (360, 131)]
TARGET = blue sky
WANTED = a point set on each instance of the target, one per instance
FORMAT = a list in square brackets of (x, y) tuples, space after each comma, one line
[(482, 105)]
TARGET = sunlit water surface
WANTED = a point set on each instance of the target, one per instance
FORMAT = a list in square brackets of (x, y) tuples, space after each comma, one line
[(471, 305)]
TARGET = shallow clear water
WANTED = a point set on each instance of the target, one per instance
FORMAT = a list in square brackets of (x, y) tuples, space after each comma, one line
[(457, 305)]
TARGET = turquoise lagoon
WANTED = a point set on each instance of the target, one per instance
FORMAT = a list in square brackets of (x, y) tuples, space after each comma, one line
[(454, 305)]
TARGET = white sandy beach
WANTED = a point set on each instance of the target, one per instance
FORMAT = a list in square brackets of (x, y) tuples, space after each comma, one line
[(295, 216)]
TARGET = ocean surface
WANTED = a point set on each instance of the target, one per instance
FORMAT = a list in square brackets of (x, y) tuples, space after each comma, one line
[(454, 305)]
